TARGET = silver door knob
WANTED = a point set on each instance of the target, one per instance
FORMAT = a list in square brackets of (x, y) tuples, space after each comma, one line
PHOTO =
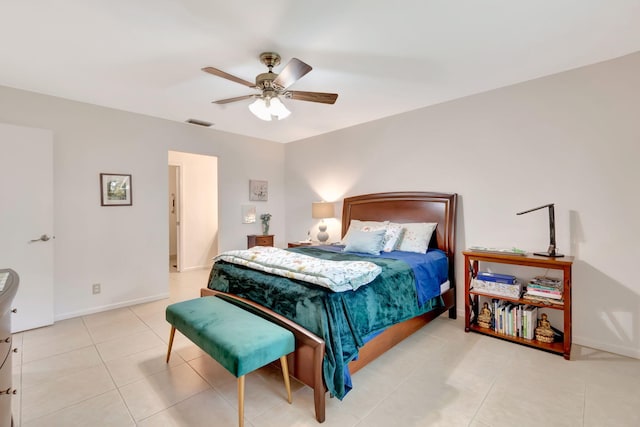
[(42, 238)]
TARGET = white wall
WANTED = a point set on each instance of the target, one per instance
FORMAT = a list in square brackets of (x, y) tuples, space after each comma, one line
[(198, 209), (572, 139), (126, 248)]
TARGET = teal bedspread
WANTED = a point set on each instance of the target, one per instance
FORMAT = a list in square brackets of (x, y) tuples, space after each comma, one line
[(343, 319)]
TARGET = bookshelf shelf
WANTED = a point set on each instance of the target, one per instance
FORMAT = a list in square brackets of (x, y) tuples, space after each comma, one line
[(554, 347), (518, 300), (472, 261)]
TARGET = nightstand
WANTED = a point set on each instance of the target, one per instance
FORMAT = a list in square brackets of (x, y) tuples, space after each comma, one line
[(259, 240), (298, 244)]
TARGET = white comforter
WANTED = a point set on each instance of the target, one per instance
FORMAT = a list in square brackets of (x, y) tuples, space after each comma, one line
[(337, 276)]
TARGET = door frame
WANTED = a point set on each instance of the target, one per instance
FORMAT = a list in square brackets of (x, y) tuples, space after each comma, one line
[(178, 208)]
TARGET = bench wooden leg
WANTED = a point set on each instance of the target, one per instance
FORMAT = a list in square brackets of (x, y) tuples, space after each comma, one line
[(241, 401), (173, 332), (285, 374)]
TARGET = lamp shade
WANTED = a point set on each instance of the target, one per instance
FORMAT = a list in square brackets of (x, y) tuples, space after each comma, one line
[(277, 109), (322, 210), (260, 110), (268, 108)]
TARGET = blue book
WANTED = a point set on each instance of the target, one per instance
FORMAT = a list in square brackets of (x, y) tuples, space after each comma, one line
[(495, 277)]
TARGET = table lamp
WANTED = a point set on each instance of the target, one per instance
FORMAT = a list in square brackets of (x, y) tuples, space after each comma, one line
[(322, 210), (551, 252)]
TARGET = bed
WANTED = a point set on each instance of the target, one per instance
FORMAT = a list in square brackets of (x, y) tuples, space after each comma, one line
[(327, 353)]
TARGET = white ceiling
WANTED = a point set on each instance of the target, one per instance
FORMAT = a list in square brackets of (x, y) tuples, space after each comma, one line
[(382, 57)]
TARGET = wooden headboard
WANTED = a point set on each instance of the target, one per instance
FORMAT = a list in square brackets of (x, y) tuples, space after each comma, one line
[(408, 207)]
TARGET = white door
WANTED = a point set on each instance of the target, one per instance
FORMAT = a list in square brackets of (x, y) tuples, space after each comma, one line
[(26, 221)]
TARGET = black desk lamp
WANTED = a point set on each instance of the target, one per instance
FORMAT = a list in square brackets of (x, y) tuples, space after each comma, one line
[(551, 252)]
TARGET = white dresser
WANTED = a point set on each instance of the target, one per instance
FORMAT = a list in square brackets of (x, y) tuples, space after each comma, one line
[(8, 288)]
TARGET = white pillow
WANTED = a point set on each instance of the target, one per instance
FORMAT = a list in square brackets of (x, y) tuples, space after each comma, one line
[(392, 235), (356, 224), (416, 237)]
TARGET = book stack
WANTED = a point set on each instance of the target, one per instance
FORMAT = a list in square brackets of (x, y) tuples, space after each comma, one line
[(544, 289), (516, 320), (497, 284)]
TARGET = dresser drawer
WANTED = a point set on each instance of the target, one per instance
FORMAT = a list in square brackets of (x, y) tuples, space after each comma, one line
[(6, 388), (5, 349), (259, 240), (9, 281), (5, 339)]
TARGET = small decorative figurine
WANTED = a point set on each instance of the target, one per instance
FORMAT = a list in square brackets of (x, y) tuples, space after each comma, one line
[(544, 333), (484, 317)]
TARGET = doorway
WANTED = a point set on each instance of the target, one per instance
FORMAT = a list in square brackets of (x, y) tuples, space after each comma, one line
[(192, 210), (174, 218)]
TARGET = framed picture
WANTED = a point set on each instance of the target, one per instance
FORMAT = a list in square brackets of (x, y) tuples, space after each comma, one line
[(248, 214), (115, 189), (258, 190)]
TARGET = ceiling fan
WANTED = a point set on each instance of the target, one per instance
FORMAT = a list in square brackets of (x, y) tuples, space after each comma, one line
[(272, 86)]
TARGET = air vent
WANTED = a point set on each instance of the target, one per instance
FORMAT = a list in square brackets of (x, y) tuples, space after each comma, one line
[(199, 122)]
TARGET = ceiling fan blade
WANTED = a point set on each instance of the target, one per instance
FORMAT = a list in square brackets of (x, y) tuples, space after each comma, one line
[(291, 73), (228, 76), (325, 98), (228, 100)]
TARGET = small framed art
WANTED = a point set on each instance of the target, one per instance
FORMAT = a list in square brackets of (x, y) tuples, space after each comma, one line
[(248, 214), (115, 189), (258, 190)]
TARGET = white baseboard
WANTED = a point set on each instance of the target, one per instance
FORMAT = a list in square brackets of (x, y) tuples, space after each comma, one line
[(196, 267), (102, 308), (611, 348)]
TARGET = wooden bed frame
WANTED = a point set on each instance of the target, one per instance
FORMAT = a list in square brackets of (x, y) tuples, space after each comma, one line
[(305, 363)]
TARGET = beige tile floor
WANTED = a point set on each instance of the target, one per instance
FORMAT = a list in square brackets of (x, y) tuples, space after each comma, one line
[(108, 369)]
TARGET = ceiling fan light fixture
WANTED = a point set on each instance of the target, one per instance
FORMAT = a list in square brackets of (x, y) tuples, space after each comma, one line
[(260, 110), (278, 109), (268, 108), (270, 86)]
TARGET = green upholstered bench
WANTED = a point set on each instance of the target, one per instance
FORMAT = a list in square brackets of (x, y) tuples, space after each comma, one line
[(240, 341)]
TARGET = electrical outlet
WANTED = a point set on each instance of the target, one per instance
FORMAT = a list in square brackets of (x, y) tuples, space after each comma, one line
[(96, 288)]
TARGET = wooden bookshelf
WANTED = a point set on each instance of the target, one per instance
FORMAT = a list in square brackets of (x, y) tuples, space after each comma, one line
[(472, 262)]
